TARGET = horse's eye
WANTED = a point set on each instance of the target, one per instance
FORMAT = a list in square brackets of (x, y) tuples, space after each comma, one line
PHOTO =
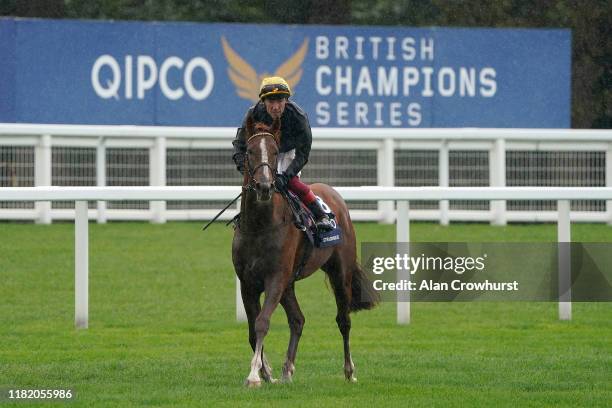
[(249, 151)]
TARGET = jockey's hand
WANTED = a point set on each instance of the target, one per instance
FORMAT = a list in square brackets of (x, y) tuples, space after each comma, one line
[(239, 160), (281, 181)]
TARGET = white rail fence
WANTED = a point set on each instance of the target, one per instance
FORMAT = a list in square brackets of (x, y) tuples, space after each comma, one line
[(401, 195), (79, 155)]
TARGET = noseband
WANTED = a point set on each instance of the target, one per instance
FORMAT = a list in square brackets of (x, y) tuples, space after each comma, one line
[(251, 182)]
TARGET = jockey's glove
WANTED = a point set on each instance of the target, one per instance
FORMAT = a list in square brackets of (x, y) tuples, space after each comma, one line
[(239, 160), (281, 181)]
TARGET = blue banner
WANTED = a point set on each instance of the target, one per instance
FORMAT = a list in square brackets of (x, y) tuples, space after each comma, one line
[(94, 72)]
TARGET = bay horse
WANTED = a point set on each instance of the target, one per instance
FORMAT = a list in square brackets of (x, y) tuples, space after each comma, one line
[(267, 249)]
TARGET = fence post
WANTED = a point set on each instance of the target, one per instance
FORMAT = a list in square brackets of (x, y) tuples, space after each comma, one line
[(81, 265), (42, 177), (609, 181), (565, 260), (402, 234), (497, 178), (386, 177), (157, 175), (101, 177), (443, 177)]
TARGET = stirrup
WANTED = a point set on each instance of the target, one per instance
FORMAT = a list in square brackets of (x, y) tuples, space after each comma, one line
[(321, 218), (324, 223)]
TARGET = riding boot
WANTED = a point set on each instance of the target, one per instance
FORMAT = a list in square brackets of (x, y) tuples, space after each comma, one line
[(322, 220)]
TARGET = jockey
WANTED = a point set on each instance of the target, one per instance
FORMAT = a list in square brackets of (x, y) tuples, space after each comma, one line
[(296, 140)]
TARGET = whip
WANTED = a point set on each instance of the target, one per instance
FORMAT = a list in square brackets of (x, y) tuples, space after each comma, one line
[(221, 212)]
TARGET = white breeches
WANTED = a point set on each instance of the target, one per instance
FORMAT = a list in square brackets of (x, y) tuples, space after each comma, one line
[(284, 160)]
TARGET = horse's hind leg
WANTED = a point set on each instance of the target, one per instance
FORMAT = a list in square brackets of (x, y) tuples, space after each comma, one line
[(340, 278), (296, 320)]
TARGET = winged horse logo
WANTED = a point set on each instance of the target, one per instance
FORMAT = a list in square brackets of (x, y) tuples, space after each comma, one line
[(247, 80)]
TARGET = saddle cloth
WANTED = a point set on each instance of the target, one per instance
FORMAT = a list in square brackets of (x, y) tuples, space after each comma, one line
[(304, 220)]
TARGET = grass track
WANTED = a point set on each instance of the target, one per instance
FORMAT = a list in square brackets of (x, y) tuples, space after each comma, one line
[(162, 329)]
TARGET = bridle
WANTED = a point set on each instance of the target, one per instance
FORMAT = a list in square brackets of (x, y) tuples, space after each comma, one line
[(251, 171), (251, 184)]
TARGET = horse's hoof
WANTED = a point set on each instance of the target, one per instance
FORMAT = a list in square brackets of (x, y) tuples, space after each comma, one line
[(351, 379), (252, 383), (288, 371), (269, 379)]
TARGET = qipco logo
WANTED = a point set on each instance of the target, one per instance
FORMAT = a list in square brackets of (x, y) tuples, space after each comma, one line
[(177, 79)]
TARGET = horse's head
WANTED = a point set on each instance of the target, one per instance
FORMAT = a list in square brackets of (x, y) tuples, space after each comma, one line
[(263, 144)]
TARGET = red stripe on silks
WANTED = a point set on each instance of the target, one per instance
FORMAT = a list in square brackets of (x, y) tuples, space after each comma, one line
[(301, 190), (310, 197)]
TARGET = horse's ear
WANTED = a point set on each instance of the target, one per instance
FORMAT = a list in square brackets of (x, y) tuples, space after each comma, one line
[(249, 126), (275, 129)]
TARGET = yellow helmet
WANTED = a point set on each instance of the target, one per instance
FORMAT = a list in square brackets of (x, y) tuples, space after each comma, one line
[(274, 87)]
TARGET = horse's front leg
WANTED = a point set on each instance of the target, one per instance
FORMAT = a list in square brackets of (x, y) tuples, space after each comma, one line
[(274, 289), (250, 299)]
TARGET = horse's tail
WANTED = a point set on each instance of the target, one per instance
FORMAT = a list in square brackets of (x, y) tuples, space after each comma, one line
[(364, 296)]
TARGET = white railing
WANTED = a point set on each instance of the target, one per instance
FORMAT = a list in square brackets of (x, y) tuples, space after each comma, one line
[(495, 143), (401, 195)]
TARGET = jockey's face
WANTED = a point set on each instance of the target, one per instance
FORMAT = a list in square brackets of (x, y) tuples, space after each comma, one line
[(275, 107)]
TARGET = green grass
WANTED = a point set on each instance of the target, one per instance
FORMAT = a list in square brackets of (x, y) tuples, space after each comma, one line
[(163, 331)]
